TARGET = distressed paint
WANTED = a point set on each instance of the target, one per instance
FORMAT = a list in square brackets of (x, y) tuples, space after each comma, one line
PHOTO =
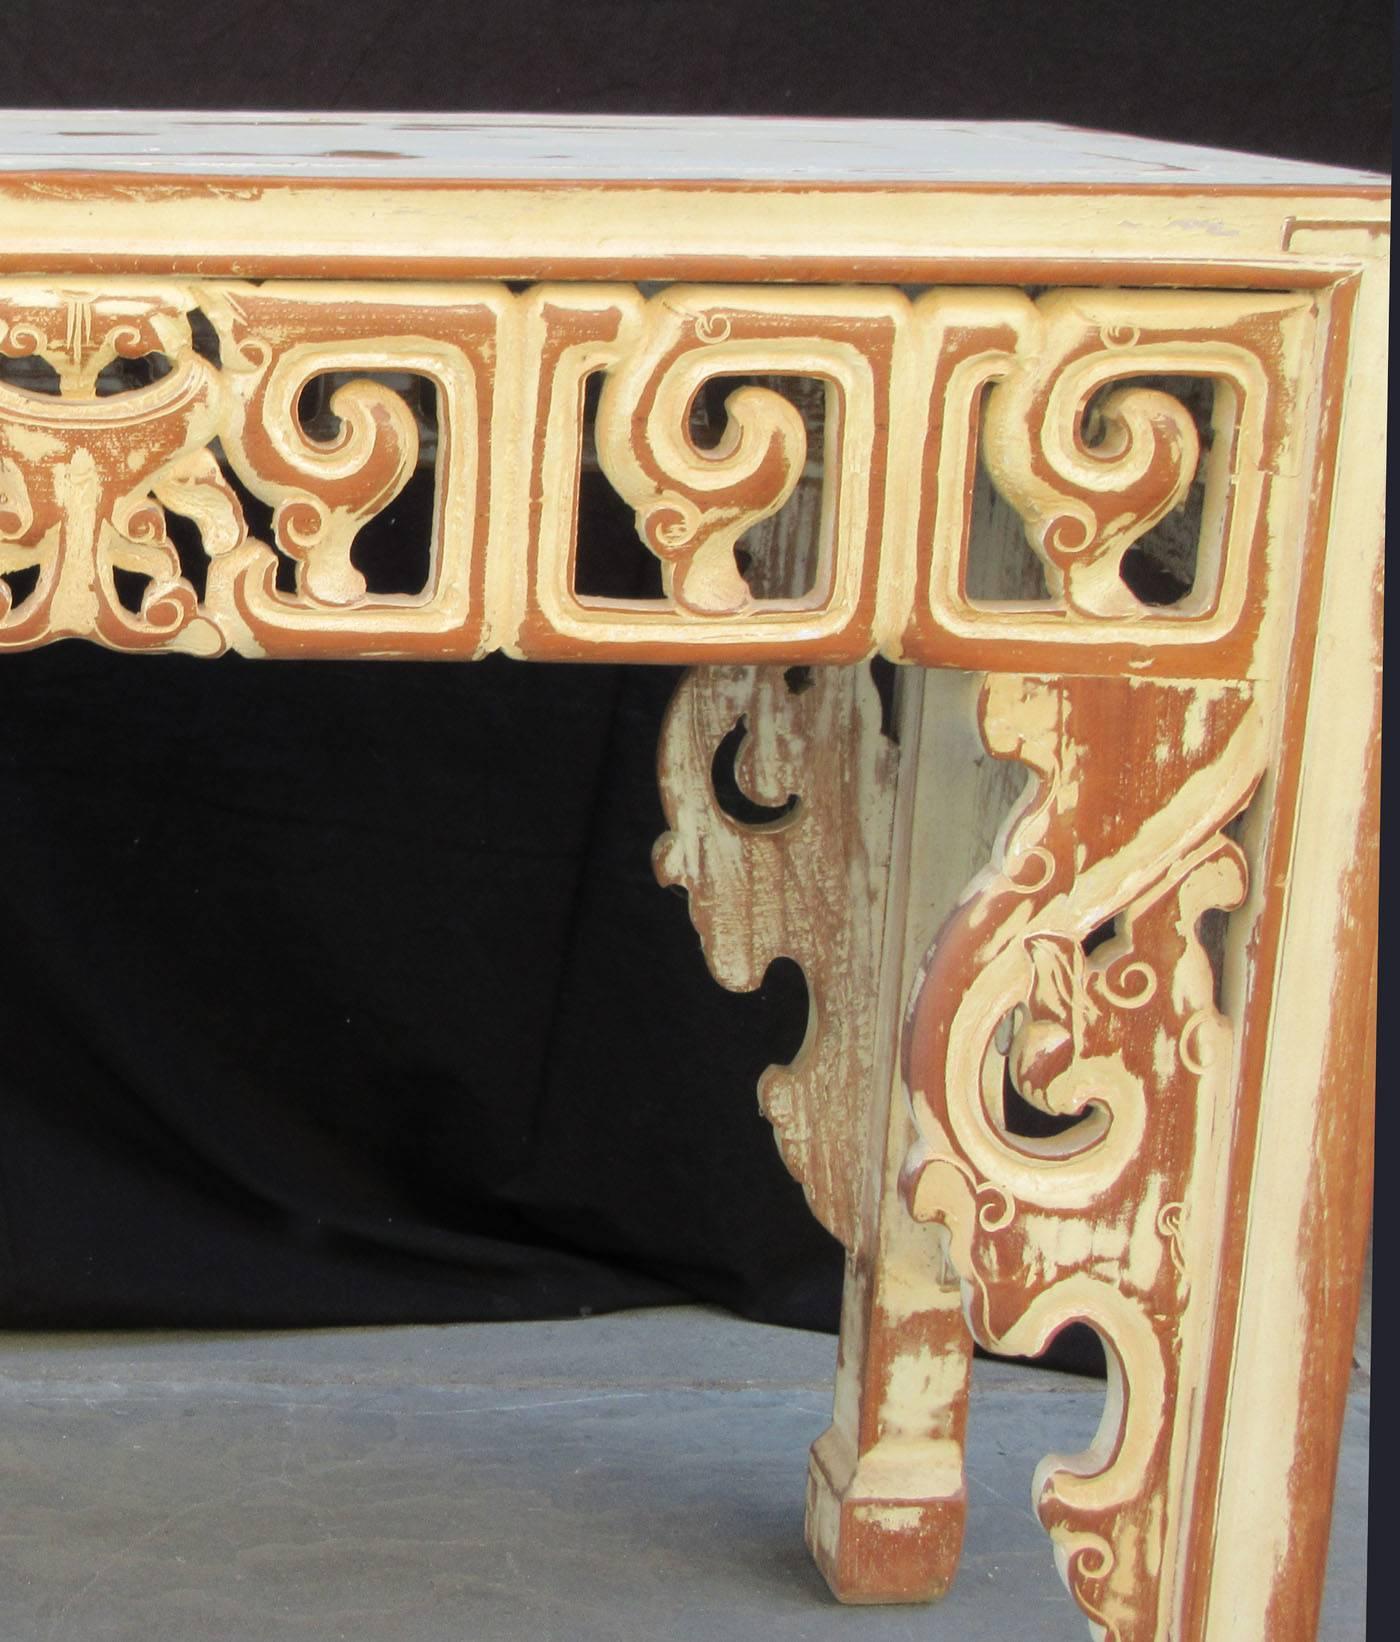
[(810, 885), (1069, 1228), (508, 372), (1206, 1211), (822, 885)]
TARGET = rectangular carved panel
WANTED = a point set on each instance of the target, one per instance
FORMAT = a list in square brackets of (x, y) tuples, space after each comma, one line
[(1092, 461), (191, 397), (90, 475)]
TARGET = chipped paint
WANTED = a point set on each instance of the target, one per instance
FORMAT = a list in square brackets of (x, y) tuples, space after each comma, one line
[(1131, 778), (33, 444)]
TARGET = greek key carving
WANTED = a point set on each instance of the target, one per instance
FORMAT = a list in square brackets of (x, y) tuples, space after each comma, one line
[(1048, 393), (1091, 460)]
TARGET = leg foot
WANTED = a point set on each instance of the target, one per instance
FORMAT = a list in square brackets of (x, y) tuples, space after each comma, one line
[(886, 1500), (872, 1542)]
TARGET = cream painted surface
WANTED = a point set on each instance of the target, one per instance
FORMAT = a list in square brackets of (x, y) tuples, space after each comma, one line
[(718, 317), (894, 1519), (1268, 1414), (692, 506), (886, 843), (904, 1364), (811, 886), (514, 232), (918, 1381), (472, 146), (35, 445)]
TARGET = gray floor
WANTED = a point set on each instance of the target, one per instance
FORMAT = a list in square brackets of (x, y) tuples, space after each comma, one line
[(632, 1478)]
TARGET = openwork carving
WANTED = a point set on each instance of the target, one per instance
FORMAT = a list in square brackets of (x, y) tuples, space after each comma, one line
[(177, 473), (88, 477), (76, 470), (1092, 462), (693, 505), (277, 341), (809, 885), (1114, 1220)]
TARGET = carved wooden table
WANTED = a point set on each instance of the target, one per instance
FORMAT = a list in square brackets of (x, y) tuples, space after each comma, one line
[(1087, 433)]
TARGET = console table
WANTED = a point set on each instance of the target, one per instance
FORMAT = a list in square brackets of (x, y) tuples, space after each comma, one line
[(1085, 435)]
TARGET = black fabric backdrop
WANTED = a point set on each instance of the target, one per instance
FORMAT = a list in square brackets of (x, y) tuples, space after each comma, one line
[(344, 992)]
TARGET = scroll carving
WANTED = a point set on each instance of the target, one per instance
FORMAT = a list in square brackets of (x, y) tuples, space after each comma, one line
[(163, 488), (321, 491), (74, 507), (809, 885), (88, 477), (275, 342), (693, 505), (1092, 460), (1112, 1221), (1048, 392), (1085, 504)]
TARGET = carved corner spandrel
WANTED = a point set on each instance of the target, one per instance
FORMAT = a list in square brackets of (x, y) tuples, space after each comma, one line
[(822, 874), (807, 882), (1075, 974)]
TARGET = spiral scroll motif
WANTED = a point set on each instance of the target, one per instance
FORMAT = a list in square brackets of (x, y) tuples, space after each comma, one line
[(1095, 1225), (481, 392)]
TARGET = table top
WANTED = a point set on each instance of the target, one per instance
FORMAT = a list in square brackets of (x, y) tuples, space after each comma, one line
[(533, 148)]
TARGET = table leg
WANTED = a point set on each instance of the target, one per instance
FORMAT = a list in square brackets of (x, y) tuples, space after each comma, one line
[(822, 873), (886, 1498), (1123, 963)]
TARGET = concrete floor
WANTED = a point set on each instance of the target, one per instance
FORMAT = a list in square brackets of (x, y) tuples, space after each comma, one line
[(636, 1478)]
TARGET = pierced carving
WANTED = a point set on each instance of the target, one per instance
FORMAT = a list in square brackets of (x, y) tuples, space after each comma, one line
[(77, 470), (693, 504), (1110, 1222), (1093, 461), (79, 332), (1206, 1111), (1086, 501), (274, 341), (321, 491), (809, 885), (87, 476), (1045, 388)]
